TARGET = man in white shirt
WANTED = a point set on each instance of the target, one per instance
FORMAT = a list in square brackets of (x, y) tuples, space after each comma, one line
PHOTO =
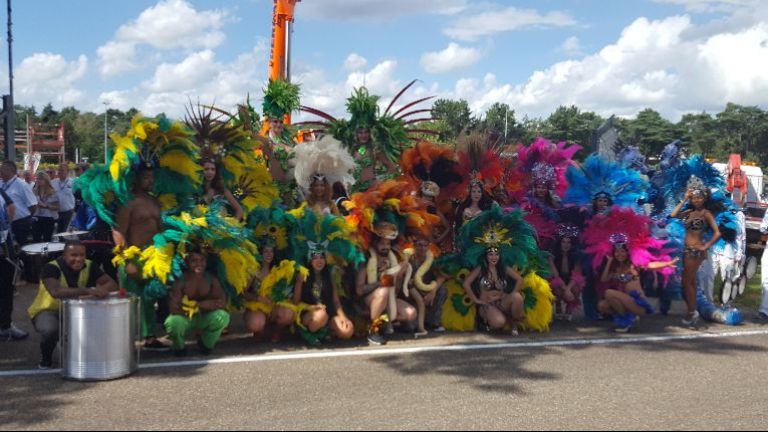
[(63, 186), (8, 331), (22, 196)]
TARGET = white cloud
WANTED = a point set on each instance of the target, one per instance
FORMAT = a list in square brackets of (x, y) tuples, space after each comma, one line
[(45, 77), (194, 70), (652, 64), (355, 62), (376, 10), (510, 19), (170, 24), (571, 47), (451, 58), (199, 77), (711, 5)]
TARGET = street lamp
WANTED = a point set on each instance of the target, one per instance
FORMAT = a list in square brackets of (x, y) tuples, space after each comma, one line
[(106, 104)]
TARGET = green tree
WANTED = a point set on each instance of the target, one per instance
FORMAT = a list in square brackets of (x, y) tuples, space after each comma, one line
[(500, 121), (742, 129), (452, 118), (572, 125), (650, 131), (699, 131)]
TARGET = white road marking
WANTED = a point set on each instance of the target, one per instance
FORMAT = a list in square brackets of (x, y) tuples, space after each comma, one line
[(362, 352)]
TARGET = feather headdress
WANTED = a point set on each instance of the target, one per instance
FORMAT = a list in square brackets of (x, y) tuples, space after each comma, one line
[(233, 150), (433, 168), (623, 226), (479, 162), (322, 234), (391, 210), (164, 145), (598, 177), (391, 131), (507, 232), (325, 159), (546, 162)]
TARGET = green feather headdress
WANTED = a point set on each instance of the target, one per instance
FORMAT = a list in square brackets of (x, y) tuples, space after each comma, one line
[(166, 146), (280, 98), (326, 234), (507, 232)]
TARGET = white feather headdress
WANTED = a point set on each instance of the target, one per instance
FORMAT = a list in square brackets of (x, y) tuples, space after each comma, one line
[(325, 157)]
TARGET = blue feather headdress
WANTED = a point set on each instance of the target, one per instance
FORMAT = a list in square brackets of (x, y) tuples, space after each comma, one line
[(598, 177), (699, 174)]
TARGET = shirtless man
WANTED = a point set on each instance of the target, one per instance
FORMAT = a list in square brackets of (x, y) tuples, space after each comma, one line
[(376, 293), (197, 302), (137, 222)]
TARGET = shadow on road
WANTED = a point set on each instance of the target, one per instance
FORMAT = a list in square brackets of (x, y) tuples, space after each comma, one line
[(496, 370)]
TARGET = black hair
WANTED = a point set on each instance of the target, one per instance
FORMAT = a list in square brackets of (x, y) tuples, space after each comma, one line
[(72, 244), (217, 184), (485, 203), (557, 253), (10, 164), (339, 190), (594, 202)]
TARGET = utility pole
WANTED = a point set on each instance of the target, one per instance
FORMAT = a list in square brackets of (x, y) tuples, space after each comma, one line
[(506, 121), (9, 113), (106, 104)]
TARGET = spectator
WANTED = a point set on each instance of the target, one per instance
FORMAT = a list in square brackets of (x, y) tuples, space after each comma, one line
[(8, 331), (47, 209), (64, 188), (24, 199)]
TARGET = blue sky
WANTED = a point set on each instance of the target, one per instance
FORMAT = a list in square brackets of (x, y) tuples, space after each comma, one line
[(613, 57)]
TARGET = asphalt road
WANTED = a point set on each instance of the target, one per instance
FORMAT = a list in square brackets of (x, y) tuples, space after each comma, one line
[(580, 375), (702, 383)]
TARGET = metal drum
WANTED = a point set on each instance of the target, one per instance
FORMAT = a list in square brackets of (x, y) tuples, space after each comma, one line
[(72, 235), (35, 256), (98, 338)]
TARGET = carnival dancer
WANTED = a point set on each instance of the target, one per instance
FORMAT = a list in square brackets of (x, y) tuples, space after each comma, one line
[(543, 165), (567, 280), (232, 175), (621, 245), (481, 170), (434, 172), (196, 302), (703, 220), (320, 165), (426, 286), (375, 139), (696, 219), (280, 99), (322, 245), (382, 217), (153, 170), (500, 247)]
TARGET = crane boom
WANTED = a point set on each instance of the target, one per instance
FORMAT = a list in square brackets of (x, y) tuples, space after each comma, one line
[(282, 27)]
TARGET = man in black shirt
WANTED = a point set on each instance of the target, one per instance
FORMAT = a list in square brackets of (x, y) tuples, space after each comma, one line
[(70, 276)]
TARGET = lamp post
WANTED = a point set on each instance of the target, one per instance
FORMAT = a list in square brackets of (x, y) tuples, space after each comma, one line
[(106, 104)]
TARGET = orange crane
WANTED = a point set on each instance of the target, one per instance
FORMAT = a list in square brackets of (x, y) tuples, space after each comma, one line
[(282, 27)]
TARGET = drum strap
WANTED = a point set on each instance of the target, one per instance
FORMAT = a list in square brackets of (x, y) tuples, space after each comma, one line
[(45, 301)]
